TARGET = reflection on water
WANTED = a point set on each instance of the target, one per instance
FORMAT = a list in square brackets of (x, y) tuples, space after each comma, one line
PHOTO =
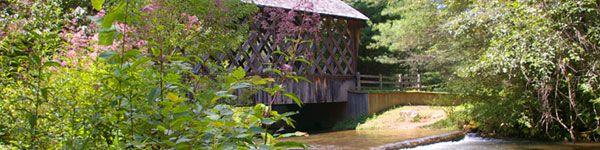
[(473, 142), (363, 139)]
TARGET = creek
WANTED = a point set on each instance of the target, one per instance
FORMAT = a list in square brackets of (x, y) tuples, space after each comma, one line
[(362, 139), (474, 142), (367, 139)]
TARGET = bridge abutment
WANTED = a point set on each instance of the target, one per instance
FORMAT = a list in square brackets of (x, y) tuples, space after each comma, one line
[(369, 103), (322, 116)]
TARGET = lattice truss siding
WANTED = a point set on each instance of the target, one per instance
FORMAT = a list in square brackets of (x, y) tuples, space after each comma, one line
[(334, 54)]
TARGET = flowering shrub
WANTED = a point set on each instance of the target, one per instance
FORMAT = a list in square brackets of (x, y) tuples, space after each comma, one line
[(117, 75)]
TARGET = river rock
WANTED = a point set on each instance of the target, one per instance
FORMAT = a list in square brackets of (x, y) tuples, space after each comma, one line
[(409, 114), (453, 136)]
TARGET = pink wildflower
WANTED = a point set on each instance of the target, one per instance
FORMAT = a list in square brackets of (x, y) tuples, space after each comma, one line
[(147, 8), (93, 55), (71, 54), (285, 67), (63, 63), (141, 43), (193, 18), (100, 14)]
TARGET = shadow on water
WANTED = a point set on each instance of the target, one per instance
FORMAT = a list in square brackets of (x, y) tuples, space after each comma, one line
[(474, 142)]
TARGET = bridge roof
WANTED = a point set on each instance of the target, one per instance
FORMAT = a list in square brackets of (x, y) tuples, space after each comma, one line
[(326, 7)]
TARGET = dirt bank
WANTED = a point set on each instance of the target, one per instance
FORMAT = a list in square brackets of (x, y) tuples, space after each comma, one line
[(405, 117)]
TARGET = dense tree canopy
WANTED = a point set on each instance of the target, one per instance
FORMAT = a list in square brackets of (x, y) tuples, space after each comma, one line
[(368, 56), (527, 67)]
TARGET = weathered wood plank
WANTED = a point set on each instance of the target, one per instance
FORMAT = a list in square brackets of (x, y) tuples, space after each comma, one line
[(324, 89), (385, 82), (369, 76)]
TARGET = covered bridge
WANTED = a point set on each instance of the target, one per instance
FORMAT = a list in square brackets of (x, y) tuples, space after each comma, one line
[(334, 51)]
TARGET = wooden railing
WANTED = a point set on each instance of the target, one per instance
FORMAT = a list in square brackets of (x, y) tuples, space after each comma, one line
[(381, 82)]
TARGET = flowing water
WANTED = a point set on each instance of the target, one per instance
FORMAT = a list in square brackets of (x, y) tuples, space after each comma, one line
[(473, 142), (366, 139), (363, 139)]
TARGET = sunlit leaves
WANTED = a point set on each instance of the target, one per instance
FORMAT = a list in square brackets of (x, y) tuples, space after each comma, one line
[(239, 73), (175, 99), (527, 51), (106, 37), (291, 144), (114, 93), (97, 4), (295, 98)]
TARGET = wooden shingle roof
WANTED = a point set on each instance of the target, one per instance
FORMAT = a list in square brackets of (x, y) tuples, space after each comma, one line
[(325, 7)]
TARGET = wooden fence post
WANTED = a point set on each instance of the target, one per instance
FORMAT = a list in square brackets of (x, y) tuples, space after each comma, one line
[(358, 80), (400, 81), (419, 82), (380, 81)]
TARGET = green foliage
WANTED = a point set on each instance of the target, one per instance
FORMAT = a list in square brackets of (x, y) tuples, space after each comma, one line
[(412, 33), (525, 67), (137, 91), (97, 4), (533, 49), (370, 61)]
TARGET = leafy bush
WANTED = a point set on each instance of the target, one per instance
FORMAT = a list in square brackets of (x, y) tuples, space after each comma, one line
[(526, 68), (118, 75)]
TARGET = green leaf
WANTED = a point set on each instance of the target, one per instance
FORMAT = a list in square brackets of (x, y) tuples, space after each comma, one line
[(35, 34), (258, 80), (297, 133), (165, 112), (49, 64), (35, 59), (97, 4), (32, 120), (161, 128), (266, 70), (264, 147), (278, 52), (172, 97), (180, 109), (303, 60), (259, 109), (140, 61), (304, 79), (217, 124), (239, 73), (257, 130), (154, 92), (169, 143), (291, 144), (239, 86), (183, 139), (131, 54), (114, 15), (268, 121), (295, 98), (97, 20), (106, 37), (45, 93)]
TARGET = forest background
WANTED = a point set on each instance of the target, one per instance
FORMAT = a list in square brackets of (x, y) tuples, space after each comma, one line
[(525, 68)]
